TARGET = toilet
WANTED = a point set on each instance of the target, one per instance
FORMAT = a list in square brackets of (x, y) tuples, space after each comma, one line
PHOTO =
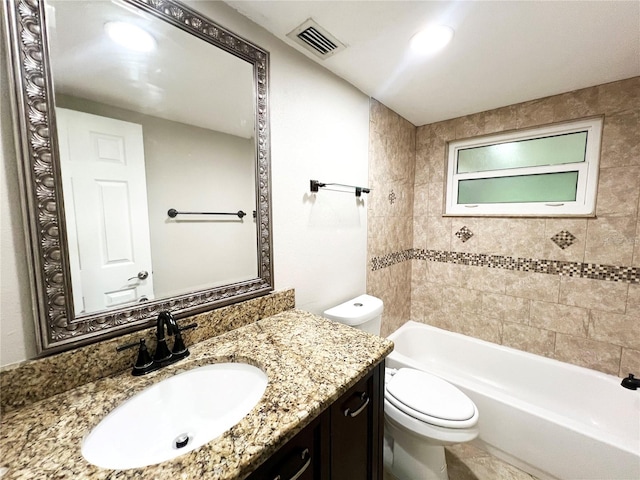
[(422, 412)]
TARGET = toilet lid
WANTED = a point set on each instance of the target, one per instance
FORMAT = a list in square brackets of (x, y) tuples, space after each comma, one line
[(428, 395)]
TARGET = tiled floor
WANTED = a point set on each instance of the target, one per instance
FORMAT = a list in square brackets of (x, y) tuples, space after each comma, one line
[(466, 462)]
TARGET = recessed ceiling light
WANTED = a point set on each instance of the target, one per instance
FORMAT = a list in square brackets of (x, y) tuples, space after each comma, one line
[(130, 36), (432, 39)]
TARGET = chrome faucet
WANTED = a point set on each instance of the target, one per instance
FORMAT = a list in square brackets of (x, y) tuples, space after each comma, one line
[(630, 382), (165, 326)]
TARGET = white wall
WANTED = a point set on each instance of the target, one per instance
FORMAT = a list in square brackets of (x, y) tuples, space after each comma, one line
[(319, 130)]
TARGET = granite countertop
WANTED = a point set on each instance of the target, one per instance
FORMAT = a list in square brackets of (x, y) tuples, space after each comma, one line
[(310, 362)]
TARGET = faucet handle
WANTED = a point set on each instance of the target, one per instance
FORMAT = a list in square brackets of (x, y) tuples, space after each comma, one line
[(144, 361), (187, 327)]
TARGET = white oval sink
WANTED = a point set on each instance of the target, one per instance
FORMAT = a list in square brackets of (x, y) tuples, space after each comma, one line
[(193, 407)]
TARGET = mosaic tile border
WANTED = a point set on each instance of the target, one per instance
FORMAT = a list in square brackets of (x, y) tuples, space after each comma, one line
[(391, 259), (594, 271)]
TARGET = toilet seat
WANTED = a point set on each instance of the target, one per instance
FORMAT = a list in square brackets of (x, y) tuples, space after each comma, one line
[(430, 399)]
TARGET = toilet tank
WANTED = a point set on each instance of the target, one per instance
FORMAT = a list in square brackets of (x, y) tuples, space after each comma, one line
[(363, 312)]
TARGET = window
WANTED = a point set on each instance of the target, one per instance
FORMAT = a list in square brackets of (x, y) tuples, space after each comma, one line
[(546, 171)]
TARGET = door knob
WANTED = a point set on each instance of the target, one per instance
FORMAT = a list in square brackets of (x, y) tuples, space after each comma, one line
[(142, 275)]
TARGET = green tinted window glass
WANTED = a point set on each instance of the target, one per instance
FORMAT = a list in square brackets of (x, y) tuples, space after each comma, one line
[(547, 187), (559, 149)]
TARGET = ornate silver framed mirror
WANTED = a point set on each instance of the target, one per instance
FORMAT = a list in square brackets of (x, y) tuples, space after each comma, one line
[(145, 173)]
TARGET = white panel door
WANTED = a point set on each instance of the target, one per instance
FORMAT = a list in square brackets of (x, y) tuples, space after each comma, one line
[(105, 198)]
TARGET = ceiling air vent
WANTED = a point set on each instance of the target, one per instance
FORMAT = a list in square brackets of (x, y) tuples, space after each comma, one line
[(316, 39)]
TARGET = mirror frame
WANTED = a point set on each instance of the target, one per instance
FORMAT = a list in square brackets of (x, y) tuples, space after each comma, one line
[(57, 328)]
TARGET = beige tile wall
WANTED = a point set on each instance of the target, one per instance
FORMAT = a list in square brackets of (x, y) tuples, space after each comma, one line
[(593, 323), (390, 210)]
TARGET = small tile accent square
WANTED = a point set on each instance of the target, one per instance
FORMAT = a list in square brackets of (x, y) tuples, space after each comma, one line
[(563, 239), (464, 234)]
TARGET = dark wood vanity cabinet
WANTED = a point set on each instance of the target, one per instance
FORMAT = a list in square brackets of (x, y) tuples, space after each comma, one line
[(357, 430), (343, 443), (303, 457)]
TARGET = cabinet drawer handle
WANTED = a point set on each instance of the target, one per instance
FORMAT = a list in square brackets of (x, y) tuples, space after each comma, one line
[(306, 458), (365, 401)]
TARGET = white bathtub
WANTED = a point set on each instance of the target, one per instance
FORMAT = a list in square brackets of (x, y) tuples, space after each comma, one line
[(549, 418)]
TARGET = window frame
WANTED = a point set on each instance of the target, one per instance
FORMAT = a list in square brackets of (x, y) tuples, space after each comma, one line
[(587, 185)]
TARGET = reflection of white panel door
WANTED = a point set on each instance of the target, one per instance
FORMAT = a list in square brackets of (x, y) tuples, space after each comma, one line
[(105, 197)]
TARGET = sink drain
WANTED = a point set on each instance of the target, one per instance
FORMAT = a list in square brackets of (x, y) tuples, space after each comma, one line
[(181, 441)]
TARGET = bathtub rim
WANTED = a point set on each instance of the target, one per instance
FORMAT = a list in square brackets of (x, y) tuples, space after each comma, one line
[(467, 383)]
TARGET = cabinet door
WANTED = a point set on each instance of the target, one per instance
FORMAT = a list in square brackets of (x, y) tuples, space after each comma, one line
[(303, 457), (356, 430)]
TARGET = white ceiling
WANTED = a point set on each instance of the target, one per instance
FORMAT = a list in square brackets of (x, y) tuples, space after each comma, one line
[(503, 52)]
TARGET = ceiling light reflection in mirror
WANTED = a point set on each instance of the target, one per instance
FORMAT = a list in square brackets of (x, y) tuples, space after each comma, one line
[(130, 36)]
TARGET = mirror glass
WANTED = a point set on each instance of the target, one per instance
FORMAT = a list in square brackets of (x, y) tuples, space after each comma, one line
[(144, 129), (144, 136)]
